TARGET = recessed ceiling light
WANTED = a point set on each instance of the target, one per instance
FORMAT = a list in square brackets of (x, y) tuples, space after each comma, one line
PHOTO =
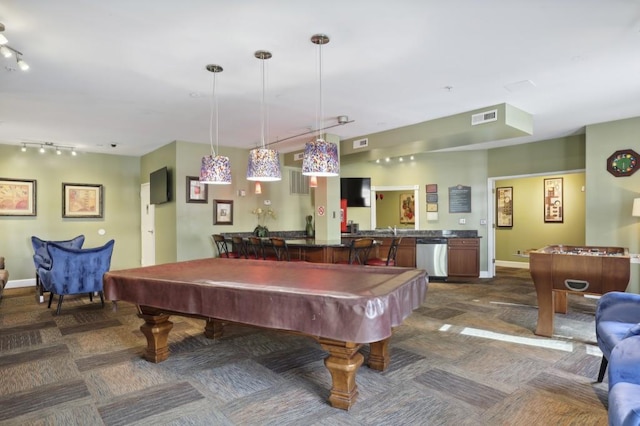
[(196, 94)]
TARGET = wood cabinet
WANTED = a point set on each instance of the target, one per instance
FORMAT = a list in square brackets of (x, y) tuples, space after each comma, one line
[(463, 257), (406, 255)]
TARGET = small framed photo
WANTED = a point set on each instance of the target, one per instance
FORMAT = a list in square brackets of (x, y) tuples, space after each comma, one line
[(197, 192), (17, 197), (222, 212), (432, 207), (432, 188), (81, 200)]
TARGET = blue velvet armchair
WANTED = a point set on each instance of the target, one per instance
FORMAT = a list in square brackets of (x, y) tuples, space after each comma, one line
[(75, 271), (617, 316), (41, 257), (618, 337)]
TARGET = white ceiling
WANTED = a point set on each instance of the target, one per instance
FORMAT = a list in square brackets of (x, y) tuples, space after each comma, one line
[(132, 73)]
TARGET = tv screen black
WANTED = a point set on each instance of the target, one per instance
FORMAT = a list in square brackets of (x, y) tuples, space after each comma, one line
[(357, 191), (159, 186)]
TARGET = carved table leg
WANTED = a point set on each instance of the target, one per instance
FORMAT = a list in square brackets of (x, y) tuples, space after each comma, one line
[(379, 357), (213, 329), (343, 363), (156, 328)]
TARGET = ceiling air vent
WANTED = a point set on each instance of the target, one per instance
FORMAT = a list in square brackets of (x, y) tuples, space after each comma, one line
[(298, 156), (484, 117), (360, 143)]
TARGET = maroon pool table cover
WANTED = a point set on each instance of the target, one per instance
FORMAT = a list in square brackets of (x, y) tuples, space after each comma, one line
[(342, 302)]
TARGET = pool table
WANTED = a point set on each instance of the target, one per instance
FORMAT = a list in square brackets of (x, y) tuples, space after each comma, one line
[(341, 306)]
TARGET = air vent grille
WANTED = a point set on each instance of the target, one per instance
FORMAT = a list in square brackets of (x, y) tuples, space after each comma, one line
[(298, 183), (484, 117), (298, 156), (360, 143)]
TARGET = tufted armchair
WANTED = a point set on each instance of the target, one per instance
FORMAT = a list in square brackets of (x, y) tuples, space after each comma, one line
[(75, 271), (41, 257)]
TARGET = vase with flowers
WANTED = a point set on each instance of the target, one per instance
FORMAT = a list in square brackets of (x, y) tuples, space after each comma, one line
[(263, 216)]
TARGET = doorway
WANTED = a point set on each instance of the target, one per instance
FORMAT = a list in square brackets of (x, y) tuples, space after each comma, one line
[(379, 190), (147, 227)]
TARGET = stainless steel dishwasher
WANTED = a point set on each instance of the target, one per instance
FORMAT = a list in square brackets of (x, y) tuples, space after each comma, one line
[(431, 255)]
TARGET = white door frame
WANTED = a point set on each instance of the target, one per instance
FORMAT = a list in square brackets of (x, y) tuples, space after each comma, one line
[(147, 227)]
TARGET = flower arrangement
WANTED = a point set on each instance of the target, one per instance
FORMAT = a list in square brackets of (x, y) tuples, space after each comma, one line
[(263, 216)]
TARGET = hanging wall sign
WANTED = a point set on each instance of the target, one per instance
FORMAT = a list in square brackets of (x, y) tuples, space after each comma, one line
[(460, 199)]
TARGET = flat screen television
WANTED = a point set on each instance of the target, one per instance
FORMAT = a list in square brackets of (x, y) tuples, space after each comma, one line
[(160, 186), (357, 191)]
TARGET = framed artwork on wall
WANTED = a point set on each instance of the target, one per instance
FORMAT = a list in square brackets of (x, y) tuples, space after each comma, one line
[(197, 192), (504, 207), (222, 212), (81, 200), (407, 208), (553, 204), (17, 197)]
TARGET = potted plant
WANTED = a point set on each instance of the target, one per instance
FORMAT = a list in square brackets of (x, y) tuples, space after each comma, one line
[(263, 216)]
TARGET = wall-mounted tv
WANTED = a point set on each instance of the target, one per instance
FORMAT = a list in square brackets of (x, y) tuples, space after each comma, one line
[(160, 186), (357, 191)]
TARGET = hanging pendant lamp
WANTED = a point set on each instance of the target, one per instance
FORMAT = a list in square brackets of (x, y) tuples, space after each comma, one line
[(320, 157), (264, 164), (215, 169)]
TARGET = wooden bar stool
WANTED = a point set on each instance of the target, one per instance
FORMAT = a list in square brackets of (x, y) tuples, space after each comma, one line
[(390, 260), (223, 249), (257, 251), (282, 250), (240, 247), (359, 251)]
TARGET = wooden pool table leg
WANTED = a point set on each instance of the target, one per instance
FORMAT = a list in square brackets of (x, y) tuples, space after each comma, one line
[(213, 329), (156, 329), (379, 357), (343, 363)]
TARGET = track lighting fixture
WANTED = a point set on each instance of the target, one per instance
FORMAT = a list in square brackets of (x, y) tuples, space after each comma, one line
[(44, 146), (7, 51)]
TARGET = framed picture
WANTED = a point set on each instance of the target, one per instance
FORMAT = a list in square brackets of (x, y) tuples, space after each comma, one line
[(17, 197), (432, 188), (407, 208), (197, 192), (81, 200), (222, 212), (553, 204), (432, 207), (504, 207), (432, 198)]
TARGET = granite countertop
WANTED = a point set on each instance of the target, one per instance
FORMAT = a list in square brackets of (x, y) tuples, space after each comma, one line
[(413, 233)]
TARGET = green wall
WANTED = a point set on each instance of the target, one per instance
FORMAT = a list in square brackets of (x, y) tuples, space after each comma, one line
[(119, 176), (609, 199), (529, 229)]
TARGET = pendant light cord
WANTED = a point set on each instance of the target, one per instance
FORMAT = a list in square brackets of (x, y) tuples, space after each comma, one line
[(321, 113), (214, 106)]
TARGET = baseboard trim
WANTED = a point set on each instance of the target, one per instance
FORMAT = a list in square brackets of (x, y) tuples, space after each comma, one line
[(31, 282), (511, 264)]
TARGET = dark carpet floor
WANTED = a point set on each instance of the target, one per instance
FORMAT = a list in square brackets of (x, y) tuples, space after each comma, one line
[(467, 356)]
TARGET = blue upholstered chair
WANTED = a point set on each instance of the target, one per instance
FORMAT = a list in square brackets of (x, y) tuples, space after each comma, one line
[(624, 383), (617, 317), (41, 257), (75, 271)]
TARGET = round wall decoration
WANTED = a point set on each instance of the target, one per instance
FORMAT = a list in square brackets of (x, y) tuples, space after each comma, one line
[(623, 163)]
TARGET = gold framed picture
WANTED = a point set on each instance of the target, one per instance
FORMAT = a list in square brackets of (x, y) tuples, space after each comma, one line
[(17, 197), (81, 200)]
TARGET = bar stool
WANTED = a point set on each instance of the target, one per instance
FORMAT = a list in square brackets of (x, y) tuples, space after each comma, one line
[(390, 260), (359, 250), (282, 250), (240, 247), (256, 249), (223, 249)]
